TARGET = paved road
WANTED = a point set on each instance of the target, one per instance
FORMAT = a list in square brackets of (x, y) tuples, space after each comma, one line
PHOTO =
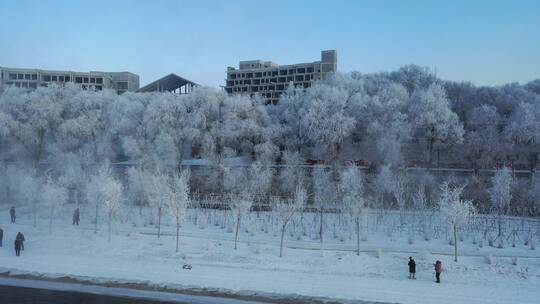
[(22, 291)]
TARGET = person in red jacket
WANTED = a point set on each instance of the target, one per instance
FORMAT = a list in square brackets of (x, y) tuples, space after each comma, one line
[(438, 270)]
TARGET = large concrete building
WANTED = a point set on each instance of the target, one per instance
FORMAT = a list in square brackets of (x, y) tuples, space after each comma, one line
[(270, 79), (33, 78)]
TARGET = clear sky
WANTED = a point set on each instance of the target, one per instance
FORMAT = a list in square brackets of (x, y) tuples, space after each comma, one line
[(486, 42)]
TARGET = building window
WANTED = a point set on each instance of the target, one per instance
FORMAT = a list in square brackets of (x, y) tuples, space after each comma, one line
[(282, 72), (85, 79), (301, 70), (34, 76), (67, 78), (27, 76), (99, 88), (99, 80), (92, 80), (78, 80), (61, 78), (46, 77), (310, 70), (259, 74), (54, 78), (121, 85), (13, 76), (291, 72), (20, 76)]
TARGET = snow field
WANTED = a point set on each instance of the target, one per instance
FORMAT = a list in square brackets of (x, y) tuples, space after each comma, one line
[(135, 254)]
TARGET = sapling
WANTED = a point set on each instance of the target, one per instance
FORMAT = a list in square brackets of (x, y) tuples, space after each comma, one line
[(286, 209), (455, 210)]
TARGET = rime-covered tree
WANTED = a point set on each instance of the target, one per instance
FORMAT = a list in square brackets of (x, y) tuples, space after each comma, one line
[(54, 195), (285, 209), (105, 190), (352, 192), (178, 199), (157, 195), (240, 206), (454, 210), (501, 196), (431, 112)]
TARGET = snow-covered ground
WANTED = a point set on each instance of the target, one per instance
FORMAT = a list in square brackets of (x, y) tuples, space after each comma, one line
[(137, 255)]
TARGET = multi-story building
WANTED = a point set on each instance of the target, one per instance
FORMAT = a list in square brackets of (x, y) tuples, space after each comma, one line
[(33, 78), (270, 79)]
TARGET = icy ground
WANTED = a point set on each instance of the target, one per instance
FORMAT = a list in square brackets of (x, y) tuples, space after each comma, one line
[(136, 255)]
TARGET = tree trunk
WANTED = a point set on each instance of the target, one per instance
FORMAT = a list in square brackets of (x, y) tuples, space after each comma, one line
[(281, 243), (110, 224), (35, 213), (95, 224), (321, 225), (236, 234), (177, 233), (357, 236), (159, 222), (51, 219), (455, 243)]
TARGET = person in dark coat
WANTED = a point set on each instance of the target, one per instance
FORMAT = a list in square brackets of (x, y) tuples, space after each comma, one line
[(412, 269), (18, 244), (438, 270), (1, 236), (76, 217), (12, 214), (20, 237)]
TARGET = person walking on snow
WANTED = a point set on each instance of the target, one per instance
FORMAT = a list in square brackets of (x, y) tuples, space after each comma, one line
[(438, 270), (18, 244), (12, 214), (412, 269), (76, 217), (20, 237)]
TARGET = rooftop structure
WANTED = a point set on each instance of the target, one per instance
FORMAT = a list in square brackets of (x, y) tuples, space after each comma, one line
[(170, 83)]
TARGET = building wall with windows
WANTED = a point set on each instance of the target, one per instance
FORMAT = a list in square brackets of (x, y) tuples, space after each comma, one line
[(270, 79), (34, 78)]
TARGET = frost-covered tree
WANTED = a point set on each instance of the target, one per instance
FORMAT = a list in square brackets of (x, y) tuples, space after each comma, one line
[(323, 186), (32, 119), (105, 190), (327, 122), (157, 195), (285, 209), (352, 192), (30, 187), (54, 195), (482, 141), (431, 113), (240, 206), (178, 199), (501, 196), (454, 210)]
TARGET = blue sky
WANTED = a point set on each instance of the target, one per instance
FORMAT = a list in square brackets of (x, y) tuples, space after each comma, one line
[(486, 42)]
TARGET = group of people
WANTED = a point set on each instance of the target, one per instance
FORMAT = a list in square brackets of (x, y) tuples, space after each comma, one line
[(412, 270), (19, 238)]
